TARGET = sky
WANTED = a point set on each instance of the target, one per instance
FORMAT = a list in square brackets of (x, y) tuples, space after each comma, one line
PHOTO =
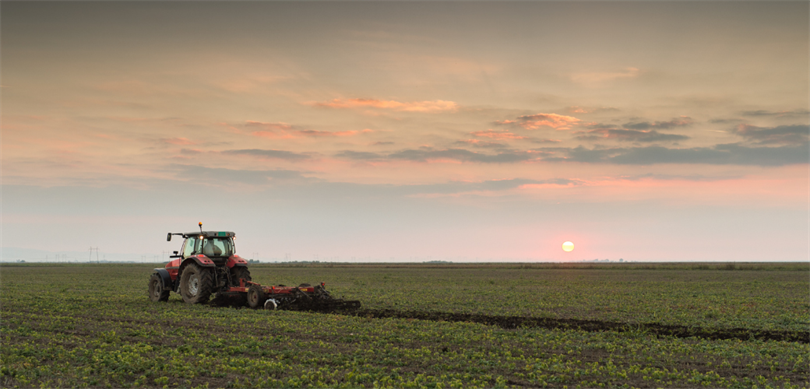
[(408, 131)]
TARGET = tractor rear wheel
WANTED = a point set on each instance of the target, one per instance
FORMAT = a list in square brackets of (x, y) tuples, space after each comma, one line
[(156, 290), (256, 296), (196, 284), (239, 272)]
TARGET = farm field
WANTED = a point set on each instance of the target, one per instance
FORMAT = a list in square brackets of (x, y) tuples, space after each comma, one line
[(93, 326)]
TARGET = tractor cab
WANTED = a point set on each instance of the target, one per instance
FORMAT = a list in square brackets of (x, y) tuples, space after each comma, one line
[(216, 245)]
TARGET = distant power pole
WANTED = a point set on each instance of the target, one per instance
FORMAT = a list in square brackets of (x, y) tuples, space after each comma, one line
[(91, 253)]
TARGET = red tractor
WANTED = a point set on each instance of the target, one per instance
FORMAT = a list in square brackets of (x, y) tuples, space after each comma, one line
[(208, 264)]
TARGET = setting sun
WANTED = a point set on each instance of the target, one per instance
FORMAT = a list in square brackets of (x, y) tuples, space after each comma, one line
[(568, 246)]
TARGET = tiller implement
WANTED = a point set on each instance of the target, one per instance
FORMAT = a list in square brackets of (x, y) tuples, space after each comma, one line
[(209, 265)]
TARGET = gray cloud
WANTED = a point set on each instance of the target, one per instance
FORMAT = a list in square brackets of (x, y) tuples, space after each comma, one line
[(762, 112), (480, 143), (545, 141), (628, 135), (726, 154), (359, 155), (794, 134), (207, 175), (270, 126), (279, 154), (428, 153), (581, 154), (722, 121), (489, 185), (683, 177), (674, 123), (425, 154), (539, 120)]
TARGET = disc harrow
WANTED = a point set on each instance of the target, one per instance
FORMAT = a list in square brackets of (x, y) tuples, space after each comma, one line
[(304, 297)]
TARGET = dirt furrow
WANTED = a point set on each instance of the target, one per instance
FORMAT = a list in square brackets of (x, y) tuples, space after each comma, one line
[(512, 322)]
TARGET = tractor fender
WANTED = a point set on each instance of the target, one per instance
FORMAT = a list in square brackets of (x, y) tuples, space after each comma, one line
[(200, 260), (165, 278), (235, 260)]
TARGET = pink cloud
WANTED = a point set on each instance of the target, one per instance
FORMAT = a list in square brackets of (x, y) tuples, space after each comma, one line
[(495, 134), (533, 122), (549, 185), (329, 133), (481, 143), (269, 126), (413, 106), (553, 120)]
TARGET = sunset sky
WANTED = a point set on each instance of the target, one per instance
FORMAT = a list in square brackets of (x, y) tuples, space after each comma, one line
[(408, 131)]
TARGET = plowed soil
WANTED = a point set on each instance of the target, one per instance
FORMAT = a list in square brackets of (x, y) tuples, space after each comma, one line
[(586, 325)]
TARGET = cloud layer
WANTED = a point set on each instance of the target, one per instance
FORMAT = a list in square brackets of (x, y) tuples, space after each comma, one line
[(724, 154), (412, 106), (786, 135), (539, 120)]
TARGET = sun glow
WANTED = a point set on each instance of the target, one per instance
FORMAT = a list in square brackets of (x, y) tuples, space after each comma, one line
[(568, 246)]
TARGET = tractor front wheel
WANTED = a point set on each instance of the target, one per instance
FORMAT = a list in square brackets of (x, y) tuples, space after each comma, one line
[(256, 296), (196, 284), (156, 290)]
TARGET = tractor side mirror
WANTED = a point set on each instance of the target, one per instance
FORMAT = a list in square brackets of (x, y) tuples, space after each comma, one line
[(169, 237), (175, 253)]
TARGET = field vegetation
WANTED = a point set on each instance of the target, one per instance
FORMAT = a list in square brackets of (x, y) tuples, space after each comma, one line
[(93, 326)]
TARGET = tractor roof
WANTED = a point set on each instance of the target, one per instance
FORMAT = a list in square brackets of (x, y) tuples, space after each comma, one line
[(211, 234)]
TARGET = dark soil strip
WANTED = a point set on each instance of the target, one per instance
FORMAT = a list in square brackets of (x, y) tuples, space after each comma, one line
[(511, 322), (586, 325)]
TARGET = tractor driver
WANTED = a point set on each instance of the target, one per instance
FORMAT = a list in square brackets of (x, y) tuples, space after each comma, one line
[(212, 249)]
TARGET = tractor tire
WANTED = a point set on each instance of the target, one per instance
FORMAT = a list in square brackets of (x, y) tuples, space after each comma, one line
[(196, 284), (239, 272), (256, 296), (156, 290)]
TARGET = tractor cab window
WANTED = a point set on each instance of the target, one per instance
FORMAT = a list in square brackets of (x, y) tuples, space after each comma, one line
[(218, 247), (189, 246)]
